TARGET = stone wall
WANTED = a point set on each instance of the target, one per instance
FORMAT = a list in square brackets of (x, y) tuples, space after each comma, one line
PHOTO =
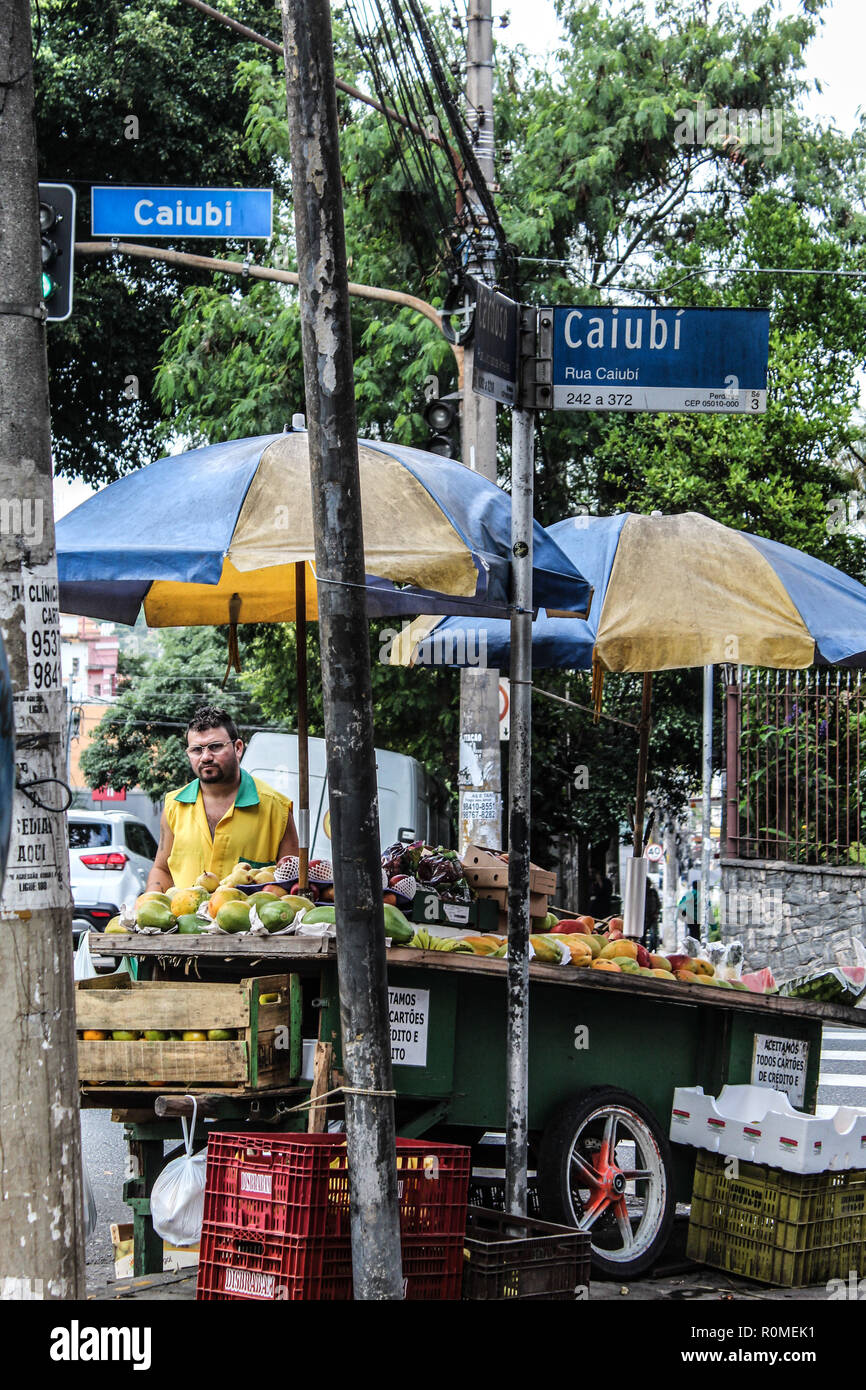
[(792, 917)]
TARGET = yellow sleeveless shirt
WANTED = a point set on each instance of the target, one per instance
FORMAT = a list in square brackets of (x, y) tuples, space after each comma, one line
[(250, 830)]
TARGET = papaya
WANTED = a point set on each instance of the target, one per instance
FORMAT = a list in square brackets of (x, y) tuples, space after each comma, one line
[(703, 967), (546, 951), (222, 896), (620, 948), (606, 965), (152, 896), (155, 914), (687, 976), (397, 925), (276, 913), (187, 900), (189, 925), (597, 944), (328, 914), (234, 916), (628, 965), (482, 945), (662, 974)]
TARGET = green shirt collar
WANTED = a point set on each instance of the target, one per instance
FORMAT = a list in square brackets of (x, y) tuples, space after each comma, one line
[(247, 794)]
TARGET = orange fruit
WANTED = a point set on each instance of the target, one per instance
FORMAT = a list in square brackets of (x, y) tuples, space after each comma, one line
[(94, 1035)]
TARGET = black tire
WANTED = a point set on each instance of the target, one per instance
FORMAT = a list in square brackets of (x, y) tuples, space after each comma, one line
[(568, 1195)]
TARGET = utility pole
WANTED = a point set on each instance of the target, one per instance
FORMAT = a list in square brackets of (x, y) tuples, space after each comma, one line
[(41, 1208), (480, 759), (343, 632)]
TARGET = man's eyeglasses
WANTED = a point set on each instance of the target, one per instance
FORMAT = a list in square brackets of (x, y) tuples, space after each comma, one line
[(197, 751)]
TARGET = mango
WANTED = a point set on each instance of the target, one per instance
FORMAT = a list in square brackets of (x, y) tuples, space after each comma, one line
[(597, 945), (703, 967), (687, 976), (662, 974), (660, 963), (155, 914), (628, 965), (234, 916)]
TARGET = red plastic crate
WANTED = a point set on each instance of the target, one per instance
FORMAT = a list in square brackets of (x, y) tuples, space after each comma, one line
[(276, 1217)]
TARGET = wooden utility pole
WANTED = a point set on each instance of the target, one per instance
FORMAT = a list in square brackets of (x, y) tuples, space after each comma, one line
[(344, 637), (41, 1209)]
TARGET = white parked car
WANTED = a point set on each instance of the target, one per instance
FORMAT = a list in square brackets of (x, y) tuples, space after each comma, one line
[(111, 854)]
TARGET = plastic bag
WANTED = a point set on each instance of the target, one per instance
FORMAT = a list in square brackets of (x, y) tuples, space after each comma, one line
[(177, 1199), (89, 1202), (83, 967)]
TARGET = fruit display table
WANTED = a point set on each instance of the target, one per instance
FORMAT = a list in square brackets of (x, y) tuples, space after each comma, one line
[(606, 1053)]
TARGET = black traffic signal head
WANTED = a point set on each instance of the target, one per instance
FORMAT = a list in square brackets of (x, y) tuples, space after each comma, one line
[(443, 420), (57, 234)]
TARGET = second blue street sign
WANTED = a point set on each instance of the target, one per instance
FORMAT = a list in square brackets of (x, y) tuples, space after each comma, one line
[(707, 361)]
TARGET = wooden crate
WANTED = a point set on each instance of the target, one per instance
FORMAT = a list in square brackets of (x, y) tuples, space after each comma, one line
[(266, 1052)]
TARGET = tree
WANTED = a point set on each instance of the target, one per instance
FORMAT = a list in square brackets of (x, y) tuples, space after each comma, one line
[(141, 740), (128, 92)]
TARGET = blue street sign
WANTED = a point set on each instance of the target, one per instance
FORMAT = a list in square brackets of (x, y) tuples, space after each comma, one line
[(237, 213), (707, 361)]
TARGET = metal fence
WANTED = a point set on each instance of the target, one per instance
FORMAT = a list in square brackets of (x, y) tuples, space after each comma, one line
[(796, 764)]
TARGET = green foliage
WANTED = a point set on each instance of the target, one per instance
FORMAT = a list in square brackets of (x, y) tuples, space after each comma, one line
[(141, 740)]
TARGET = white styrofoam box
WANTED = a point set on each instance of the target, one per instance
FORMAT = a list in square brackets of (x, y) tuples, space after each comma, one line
[(761, 1126), (309, 1053)]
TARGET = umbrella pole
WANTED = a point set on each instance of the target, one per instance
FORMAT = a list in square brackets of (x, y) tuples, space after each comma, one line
[(634, 896), (642, 764), (303, 743)]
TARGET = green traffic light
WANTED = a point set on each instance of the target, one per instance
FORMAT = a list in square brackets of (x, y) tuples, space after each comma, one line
[(48, 287)]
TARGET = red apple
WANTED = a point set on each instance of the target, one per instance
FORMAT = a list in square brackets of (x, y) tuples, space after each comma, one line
[(643, 957)]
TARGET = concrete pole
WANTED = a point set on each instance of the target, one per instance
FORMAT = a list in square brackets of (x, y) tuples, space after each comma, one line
[(706, 817), (519, 820), (669, 887), (41, 1207), (344, 637), (479, 690)]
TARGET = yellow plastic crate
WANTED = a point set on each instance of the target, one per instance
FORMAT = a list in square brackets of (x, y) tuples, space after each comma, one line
[(788, 1229)]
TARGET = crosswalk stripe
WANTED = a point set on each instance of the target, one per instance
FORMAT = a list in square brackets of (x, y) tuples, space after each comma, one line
[(842, 1078), (841, 1056)]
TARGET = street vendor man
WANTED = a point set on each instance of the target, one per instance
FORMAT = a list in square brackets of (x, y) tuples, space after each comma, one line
[(223, 816)]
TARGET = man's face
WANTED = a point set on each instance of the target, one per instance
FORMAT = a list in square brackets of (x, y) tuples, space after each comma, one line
[(213, 755)]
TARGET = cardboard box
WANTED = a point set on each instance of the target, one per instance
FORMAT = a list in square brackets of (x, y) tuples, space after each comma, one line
[(123, 1246), (537, 901), (485, 869)]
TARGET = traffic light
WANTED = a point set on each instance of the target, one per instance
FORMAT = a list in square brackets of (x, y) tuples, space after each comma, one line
[(57, 234), (443, 420)]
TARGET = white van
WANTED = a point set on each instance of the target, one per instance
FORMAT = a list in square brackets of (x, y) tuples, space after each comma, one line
[(412, 805)]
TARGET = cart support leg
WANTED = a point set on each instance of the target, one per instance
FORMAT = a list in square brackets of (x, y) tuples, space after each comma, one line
[(147, 1161)]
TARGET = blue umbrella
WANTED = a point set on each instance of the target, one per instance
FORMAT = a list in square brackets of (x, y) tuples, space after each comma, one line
[(187, 536)]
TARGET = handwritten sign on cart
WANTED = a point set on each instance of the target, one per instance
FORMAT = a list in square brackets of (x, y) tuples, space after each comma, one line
[(781, 1064)]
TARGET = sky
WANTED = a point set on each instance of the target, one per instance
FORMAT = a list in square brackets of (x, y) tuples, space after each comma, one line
[(835, 60)]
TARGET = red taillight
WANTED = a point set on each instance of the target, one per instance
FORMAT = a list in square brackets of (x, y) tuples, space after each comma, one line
[(114, 860)]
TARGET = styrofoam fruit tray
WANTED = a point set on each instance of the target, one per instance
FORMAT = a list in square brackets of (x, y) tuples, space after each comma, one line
[(760, 1125)]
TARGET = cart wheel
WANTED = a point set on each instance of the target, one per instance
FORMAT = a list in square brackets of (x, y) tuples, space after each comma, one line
[(604, 1166)]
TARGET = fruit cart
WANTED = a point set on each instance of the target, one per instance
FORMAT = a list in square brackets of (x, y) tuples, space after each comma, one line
[(606, 1052)]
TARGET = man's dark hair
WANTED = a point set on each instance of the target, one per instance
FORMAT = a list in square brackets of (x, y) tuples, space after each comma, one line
[(208, 717)]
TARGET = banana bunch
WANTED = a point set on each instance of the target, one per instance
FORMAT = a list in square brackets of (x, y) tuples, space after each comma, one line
[(423, 941)]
